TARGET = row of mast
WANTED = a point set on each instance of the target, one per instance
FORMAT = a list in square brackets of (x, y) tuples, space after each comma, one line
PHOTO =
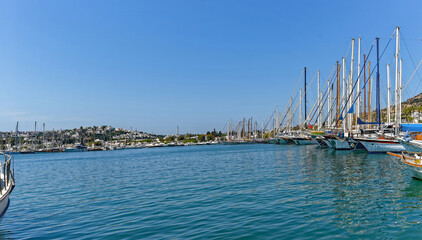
[(339, 97), (349, 97)]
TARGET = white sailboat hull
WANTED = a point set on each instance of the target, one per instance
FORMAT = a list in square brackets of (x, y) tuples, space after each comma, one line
[(4, 205), (416, 171), (382, 146)]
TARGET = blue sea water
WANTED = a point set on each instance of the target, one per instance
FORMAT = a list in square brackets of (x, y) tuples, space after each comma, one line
[(257, 191)]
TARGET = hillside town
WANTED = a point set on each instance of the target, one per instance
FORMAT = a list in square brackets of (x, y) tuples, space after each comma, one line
[(95, 138)]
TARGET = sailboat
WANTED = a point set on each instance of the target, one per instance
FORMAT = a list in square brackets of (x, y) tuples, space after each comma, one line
[(383, 143), (339, 139), (302, 137)]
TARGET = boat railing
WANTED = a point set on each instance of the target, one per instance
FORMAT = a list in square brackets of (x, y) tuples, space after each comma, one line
[(7, 171)]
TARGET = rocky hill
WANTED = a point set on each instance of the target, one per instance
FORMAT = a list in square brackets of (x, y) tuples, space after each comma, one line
[(409, 108), (415, 101)]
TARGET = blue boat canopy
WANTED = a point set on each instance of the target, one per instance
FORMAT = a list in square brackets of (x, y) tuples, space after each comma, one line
[(413, 127)]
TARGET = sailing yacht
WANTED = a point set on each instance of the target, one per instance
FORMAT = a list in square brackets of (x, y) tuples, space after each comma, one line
[(382, 142)]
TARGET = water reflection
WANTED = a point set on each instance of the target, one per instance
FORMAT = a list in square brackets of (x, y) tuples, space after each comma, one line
[(250, 191), (368, 193), (414, 190)]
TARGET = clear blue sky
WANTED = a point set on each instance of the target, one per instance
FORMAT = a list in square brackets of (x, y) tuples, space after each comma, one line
[(154, 65)]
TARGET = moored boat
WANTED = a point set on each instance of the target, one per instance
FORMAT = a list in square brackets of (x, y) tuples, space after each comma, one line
[(380, 145), (7, 183), (412, 160)]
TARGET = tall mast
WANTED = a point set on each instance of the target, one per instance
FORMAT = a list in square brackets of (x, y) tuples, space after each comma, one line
[(358, 85), (396, 107), (338, 104), (319, 106), (305, 101), (329, 104), (344, 92), (369, 91), (300, 107), (388, 93), (364, 90), (400, 92), (350, 97), (378, 106)]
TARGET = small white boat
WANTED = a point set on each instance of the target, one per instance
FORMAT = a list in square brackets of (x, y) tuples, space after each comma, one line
[(412, 160), (7, 183)]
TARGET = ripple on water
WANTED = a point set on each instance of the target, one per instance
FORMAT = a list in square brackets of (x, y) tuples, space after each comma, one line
[(213, 192)]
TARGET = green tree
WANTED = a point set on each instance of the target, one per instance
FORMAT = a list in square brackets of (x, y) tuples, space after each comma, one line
[(201, 137), (210, 137)]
